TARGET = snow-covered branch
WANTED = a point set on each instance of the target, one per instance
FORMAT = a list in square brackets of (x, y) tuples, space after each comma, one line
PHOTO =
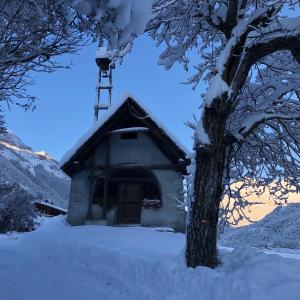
[(280, 35), (252, 122), (249, 54), (32, 33), (116, 22)]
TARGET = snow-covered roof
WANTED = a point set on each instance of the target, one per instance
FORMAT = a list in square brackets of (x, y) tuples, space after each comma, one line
[(52, 206), (106, 116), (103, 52)]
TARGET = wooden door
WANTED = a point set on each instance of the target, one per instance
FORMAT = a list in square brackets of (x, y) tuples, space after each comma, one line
[(130, 203)]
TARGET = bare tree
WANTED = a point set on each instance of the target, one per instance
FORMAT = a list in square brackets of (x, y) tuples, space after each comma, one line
[(32, 33), (17, 212), (249, 126)]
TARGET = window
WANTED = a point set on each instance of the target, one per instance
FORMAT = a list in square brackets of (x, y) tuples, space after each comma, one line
[(99, 192), (129, 136)]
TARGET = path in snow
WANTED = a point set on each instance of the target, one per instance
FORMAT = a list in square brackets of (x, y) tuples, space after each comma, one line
[(131, 263)]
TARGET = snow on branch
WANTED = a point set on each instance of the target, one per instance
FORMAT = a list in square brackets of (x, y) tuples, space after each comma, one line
[(247, 56), (117, 22), (201, 136), (286, 27), (32, 33), (256, 119)]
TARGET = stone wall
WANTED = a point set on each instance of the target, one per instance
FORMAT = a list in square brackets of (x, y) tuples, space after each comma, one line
[(130, 152), (169, 215), (79, 198)]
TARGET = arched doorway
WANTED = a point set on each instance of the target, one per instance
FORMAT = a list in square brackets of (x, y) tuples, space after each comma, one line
[(132, 186), (126, 191)]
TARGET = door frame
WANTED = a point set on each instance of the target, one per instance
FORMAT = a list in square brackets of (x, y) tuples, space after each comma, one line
[(127, 182)]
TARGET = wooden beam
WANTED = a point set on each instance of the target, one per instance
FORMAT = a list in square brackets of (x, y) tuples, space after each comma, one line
[(133, 166), (132, 179), (106, 177)]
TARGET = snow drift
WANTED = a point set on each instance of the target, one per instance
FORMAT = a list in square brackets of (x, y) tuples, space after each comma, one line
[(101, 262)]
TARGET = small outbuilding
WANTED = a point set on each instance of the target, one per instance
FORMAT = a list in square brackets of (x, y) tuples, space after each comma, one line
[(128, 169)]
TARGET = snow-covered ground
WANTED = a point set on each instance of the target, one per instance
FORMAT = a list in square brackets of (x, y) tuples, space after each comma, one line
[(100, 262)]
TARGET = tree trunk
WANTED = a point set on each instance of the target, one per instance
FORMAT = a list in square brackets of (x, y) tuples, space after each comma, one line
[(208, 189)]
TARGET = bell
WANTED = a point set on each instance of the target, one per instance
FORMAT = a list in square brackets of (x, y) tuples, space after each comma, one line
[(103, 63)]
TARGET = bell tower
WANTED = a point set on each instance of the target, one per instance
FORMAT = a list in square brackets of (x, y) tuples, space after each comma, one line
[(104, 82)]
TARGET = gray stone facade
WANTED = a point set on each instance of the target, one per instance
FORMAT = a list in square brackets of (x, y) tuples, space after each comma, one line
[(114, 152)]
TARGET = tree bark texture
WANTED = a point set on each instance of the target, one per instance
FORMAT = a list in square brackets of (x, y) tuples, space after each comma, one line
[(208, 190)]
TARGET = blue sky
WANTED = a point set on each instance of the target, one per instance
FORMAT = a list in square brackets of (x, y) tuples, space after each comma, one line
[(65, 98)]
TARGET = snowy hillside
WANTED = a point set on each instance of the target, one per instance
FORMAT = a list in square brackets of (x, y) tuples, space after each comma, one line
[(134, 263), (280, 228), (36, 172)]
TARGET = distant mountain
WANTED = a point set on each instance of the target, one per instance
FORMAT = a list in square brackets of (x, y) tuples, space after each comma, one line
[(36, 172), (280, 228)]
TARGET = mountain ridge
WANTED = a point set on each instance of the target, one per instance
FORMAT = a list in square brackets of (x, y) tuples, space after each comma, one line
[(35, 172)]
